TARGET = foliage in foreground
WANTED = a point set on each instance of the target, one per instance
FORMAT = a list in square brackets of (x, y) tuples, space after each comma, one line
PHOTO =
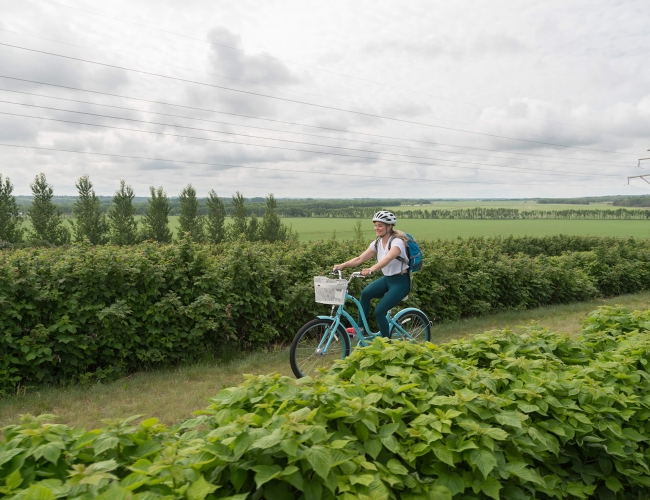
[(88, 313), (538, 415)]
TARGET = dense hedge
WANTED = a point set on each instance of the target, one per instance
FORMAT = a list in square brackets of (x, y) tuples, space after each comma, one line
[(86, 313), (538, 415)]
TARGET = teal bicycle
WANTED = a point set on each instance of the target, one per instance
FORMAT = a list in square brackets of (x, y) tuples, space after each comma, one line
[(325, 339)]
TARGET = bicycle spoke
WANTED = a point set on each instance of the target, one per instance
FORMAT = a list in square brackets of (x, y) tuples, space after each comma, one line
[(310, 349), (413, 326)]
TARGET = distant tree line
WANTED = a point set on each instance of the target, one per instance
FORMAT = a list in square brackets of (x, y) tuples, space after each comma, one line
[(119, 225), (254, 206), (633, 202), (487, 213), (563, 201)]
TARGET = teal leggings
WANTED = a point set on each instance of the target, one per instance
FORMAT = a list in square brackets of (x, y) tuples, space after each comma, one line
[(391, 290)]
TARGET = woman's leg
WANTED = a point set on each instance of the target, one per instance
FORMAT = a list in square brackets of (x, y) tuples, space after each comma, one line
[(374, 290), (398, 288)]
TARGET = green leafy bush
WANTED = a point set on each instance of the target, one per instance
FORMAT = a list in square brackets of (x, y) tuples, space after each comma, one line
[(87, 313), (538, 415)]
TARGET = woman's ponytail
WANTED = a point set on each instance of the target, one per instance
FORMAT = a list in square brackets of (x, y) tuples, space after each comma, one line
[(400, 234)]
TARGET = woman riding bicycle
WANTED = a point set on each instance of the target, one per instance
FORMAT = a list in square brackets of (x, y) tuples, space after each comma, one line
[(393, 262)]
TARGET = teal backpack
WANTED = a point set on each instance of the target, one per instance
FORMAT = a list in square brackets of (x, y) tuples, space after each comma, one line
[(412, 251)]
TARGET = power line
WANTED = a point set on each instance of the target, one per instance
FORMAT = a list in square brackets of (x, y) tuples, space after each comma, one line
[(301, 124), (283, 89), (276, 130), (500, 168), (513, 168), (321, 106), (230, 47), (393, 179)]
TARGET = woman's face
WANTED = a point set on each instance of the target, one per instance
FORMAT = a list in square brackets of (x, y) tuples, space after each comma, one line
[(381, 229)]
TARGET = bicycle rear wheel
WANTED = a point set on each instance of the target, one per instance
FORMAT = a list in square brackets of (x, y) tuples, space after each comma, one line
[(306, 356), (415, 324)]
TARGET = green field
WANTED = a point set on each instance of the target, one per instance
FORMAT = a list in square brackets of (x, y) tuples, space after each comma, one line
[(314, 229), (311, 229)]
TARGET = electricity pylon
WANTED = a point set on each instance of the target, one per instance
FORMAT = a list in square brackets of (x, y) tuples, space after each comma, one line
[(642, 177)]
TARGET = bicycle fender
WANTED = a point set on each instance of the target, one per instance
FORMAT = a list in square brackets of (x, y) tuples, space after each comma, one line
[(409, 309), (326, 317)]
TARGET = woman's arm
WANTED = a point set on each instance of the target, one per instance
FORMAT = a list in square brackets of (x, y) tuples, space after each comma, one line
[(390, 256), (357, 261)]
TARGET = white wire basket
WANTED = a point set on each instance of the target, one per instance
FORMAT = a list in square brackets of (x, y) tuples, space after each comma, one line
[(330, 291)]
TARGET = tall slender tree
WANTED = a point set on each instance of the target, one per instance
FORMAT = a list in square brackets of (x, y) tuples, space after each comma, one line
[(10, 219), (216, 218), (44, 215), (357, 230), (190, 222), (272, 229), (121, 217), (253, 229), (239, 216), (90, 222), (156, 220)]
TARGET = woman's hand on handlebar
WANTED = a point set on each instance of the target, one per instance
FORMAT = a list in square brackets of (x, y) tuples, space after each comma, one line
[(337, 267), (366, 272)]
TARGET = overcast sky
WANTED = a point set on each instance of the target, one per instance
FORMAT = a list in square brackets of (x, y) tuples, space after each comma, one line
[(433, 99)]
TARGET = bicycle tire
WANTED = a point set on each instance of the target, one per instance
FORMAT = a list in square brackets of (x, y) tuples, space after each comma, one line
[(303, 356), (416, 324)]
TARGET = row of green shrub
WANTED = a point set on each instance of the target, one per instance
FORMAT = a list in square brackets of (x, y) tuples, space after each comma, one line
[(84, 313), (502, 416)]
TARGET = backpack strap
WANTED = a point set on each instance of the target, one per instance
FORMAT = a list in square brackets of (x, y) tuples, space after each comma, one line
[(399, 257)]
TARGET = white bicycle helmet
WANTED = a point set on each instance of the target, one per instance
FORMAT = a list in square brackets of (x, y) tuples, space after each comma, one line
[(386, 217)]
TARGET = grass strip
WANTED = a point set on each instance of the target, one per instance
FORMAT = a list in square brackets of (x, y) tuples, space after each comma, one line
[(172, 394)]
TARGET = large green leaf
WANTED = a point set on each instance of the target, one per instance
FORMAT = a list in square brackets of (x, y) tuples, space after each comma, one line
[(115, 493), (320, 459), (483, 459), (443, 454), (264, 473), (491, 487), (36, 492), (268, 441), (200, 489), (7, 455), (522, 471), (510, 418), (104, 443)]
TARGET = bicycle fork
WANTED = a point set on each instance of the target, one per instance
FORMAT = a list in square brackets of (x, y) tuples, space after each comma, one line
[(330, 335)]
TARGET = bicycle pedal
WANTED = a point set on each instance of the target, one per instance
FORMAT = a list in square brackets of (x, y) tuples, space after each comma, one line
[(351, 331)]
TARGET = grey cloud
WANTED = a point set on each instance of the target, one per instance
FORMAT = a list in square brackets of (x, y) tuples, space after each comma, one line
[(16, 130), (230, 102), (252, 67), (51, 69), (570, 125)]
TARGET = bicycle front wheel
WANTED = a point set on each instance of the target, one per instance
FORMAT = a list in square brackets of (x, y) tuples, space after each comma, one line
[(317, 346), (416, 325)]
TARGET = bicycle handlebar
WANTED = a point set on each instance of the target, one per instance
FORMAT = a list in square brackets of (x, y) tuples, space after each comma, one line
[(355, 274)]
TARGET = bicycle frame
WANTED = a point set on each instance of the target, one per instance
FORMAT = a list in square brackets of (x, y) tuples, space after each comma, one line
[(363, 339)]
